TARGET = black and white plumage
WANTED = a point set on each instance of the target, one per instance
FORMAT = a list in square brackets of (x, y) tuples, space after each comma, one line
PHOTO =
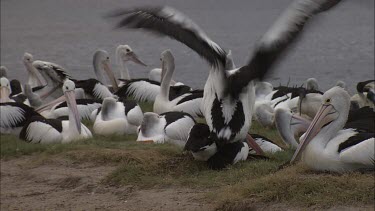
[(203, 147), (45, 131), (14, 116), (169, 127), (85, 108), (95, 88), (326, 146), (118, 117), (228, 95), (365, 95), (189, 103), (291, 125), (54, 75), (17, 93)]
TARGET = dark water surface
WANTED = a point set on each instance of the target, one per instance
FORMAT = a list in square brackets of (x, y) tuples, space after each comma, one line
[(338, 45)]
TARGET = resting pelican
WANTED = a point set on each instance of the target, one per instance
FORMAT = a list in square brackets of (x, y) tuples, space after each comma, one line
[(189, 103), (95, 88), (118, 117), (5, 90), (54, 75), (229, 95), (142, 89), (326, 146), (203, 148), (170, 127), (14, 116), (3, 71), (41, 130), (365, 95), (35, 79)]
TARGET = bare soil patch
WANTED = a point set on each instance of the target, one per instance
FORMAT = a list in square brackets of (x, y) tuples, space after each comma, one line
[(61, 184)]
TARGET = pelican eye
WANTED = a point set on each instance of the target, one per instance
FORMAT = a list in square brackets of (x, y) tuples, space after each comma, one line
[(127, 50), (328, 100), (107, 57)]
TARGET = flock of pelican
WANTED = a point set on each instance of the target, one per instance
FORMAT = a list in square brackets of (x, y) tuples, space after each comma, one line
[(330, 131)]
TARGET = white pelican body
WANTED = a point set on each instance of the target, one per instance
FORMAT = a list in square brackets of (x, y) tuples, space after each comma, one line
[(118, 117), (170, 127), (326, 146), (45, 131), (187, 103)]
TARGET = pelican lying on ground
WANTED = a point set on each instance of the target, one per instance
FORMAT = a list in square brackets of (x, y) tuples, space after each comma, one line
[(41, 130), (3, 71), (95, 88), (170, 127), (203, 148), (229, 95), (118, 117), (189, 103), (365, 95), (54, 75), (142, 89), (14, 116), (326, 146), (35, 79), (291, 125)]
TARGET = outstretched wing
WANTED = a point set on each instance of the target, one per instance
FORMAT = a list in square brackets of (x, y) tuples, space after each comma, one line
[(172, 23), (276, 40)]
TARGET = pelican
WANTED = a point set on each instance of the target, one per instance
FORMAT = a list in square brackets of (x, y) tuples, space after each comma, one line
[(3, 71), (54, 75), (94, 88), (204, 148), (41, 130), (189, 103), (143, 89), (228, 94), (291, 125), (171, 127), (35, 79), (365, 95), (312, 84), (326, 146), (118, 117), (5, 90)]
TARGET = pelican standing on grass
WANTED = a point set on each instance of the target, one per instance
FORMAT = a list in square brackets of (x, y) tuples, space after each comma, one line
[(41, 130), (326, 146)]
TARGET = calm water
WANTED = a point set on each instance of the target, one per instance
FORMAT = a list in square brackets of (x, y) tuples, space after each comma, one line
[(338, 45)]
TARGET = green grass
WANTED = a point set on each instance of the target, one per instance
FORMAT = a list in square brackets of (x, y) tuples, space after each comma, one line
[(163, 165)]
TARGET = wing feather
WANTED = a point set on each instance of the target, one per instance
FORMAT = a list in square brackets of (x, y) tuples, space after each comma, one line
[(172, 23)]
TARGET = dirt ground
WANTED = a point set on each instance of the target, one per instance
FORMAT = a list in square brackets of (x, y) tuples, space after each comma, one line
[(30, 183), (63, 185)]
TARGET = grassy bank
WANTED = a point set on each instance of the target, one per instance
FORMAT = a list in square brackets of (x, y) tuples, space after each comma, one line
[(148, 166)]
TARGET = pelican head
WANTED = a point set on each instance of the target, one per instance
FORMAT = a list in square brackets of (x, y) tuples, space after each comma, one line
[(3, 71), (125, 53), (27, 58), (341, 84), (331, 116), (312, 84), (101, 62), (74, 118), (5, 89)]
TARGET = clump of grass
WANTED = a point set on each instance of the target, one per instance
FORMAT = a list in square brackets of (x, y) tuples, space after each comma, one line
[(298, 186)]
